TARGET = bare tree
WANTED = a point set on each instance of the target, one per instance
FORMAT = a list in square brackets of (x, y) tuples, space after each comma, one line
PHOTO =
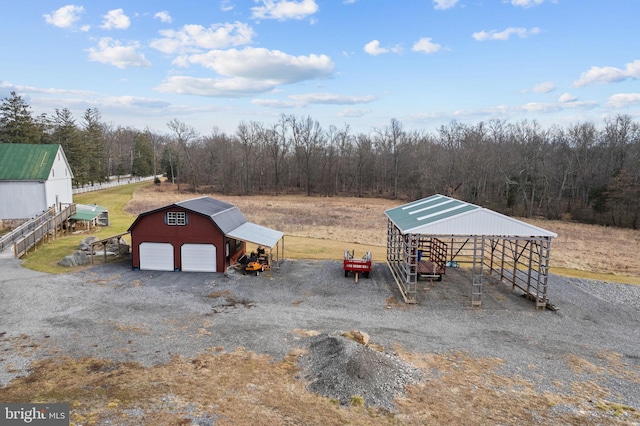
[(185, 136), (308, 138)]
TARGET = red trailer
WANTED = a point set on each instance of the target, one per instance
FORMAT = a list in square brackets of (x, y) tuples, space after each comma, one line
[(357, 266)]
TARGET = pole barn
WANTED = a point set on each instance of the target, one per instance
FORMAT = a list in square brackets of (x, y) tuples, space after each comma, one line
[(426, 236)]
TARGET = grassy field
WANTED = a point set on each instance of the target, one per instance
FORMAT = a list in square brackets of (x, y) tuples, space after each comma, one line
[(323, 227), (45, 258)]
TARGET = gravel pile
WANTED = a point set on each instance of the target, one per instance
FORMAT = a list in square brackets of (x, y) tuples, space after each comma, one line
[(340, 368)]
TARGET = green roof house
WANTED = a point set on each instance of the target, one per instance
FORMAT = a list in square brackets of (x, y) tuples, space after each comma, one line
[(33, 178)]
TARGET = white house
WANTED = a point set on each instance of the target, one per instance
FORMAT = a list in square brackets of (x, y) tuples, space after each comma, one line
[(33, 178)]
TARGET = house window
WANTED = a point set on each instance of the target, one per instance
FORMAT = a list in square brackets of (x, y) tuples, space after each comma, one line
[(176, 218)]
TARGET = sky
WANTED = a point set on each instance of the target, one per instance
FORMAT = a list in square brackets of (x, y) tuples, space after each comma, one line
[(214, 64)]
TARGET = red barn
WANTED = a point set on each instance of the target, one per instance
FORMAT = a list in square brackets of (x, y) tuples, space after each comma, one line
[(197, 235)]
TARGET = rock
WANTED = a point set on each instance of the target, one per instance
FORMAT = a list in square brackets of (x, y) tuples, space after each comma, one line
[(78, 258), (358, 336), (118, 246), (85, 244), (124, 249)]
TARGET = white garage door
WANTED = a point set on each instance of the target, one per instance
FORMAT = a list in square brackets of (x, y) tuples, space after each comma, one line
[(198, 257), (156, 256)]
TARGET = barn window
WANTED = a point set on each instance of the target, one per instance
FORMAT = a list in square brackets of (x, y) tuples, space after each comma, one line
[(176, 218)]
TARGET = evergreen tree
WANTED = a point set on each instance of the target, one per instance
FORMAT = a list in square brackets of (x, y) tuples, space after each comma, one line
[(142, 156), (95, 146), (67, 134), (16, 122)]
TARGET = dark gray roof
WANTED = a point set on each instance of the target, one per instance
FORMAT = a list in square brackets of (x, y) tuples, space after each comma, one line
[(225, 215), (228, 218)]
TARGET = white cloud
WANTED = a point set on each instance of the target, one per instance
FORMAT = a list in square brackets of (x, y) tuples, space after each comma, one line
[(264, 64), (505, 111), (283, 9), (49, 91), (609, 74), (230, 87), (426, 45), (163, 16), (303, 100), (353, 112), (195, 37), (525, 3), (506, 34), (544, 87), (115, 19), (373, 48), (444, 4), (133, 101), (226, 6), (568, 103), (567, 97), (65, 17), (349, 1), (111, 52), (331, 99), (275, 103), (249, 71), (622, 100), (539, 107)]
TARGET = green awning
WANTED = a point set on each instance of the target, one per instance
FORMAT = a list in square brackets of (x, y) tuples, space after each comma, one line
[(85, 215)]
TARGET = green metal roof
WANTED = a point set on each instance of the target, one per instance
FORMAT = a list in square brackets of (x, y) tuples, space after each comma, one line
[(441, 215), (85, 215), (428, 210), (26, 161), (88, 212)]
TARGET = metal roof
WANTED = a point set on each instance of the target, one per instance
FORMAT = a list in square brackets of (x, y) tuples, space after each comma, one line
[(26, 161), (228, 218), (441, 215), (256, 234), (87, 212), (85, 215), (225, 215)]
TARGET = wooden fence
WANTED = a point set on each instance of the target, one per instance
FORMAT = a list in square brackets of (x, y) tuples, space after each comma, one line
[(106, 185), (44, 229)]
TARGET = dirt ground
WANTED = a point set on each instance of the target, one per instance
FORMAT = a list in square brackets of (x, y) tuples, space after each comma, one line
[(140, 347)]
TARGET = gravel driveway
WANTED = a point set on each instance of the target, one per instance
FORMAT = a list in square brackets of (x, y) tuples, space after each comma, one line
[(111, 311)]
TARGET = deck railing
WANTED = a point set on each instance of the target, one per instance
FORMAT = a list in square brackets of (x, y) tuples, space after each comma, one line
[(42, 228)]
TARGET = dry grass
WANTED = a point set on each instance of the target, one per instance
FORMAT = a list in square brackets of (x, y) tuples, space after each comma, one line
[(591, 249), (323, 227), (341, 219), (244, 388)]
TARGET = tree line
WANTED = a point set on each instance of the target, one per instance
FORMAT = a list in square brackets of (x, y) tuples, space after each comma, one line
[(581, 172)]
